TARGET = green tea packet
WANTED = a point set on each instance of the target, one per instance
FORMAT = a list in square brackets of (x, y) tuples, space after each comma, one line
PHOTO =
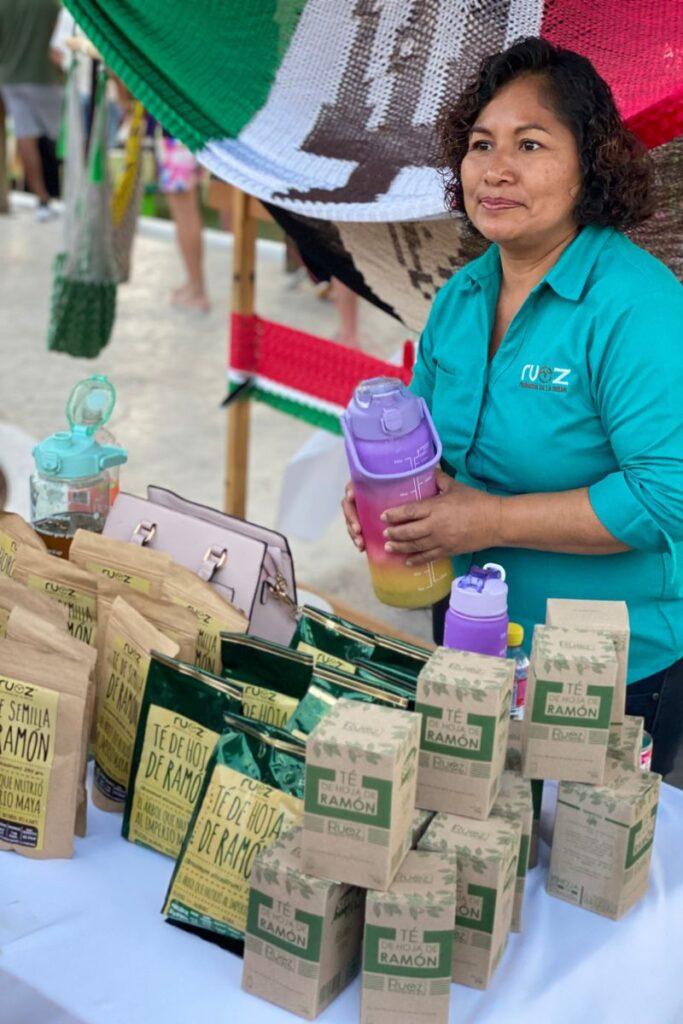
[(181, 718), (328, 686), (252, 792), (272, 678), (332, 642)]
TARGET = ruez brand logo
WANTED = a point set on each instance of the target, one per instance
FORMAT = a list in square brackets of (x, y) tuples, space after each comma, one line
[(542, 377)]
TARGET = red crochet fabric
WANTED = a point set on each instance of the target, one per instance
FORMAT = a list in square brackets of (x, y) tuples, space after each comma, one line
[(320, 368)]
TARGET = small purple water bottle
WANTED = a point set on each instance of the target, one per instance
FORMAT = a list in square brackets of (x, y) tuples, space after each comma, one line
[(477, 617)]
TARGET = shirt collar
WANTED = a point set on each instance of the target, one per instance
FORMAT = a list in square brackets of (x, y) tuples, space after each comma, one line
[(567, 277)]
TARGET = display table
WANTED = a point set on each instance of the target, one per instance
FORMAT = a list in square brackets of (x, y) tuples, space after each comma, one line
[(83, 942)]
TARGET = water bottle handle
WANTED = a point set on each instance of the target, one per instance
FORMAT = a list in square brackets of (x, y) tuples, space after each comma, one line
[(494, 565)]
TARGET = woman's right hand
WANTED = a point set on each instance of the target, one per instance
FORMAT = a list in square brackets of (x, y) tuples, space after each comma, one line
[(351, 516)]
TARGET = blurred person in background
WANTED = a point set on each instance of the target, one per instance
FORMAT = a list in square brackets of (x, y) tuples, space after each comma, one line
[(31, 84)]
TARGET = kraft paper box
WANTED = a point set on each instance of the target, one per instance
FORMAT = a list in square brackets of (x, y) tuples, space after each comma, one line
[(514, 803), (408, 943), (303, 935), (569, 702), (486, 858), (464, 700), (609, 617), (602, 842), (421, 820), (361, 772), (513, 763), (626, 741)]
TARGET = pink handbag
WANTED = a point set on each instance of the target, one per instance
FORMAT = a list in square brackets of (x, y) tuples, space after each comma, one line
[(249, 565)]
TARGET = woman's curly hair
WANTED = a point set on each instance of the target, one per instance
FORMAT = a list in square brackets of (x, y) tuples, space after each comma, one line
[(616, 169)]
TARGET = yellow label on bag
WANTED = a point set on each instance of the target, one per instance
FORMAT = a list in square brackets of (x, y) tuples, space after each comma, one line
[(8, 549), (139, 583), (238, 818), (4, 619), (208, 654), (267, 705), (125, 674), (82, 607), (175, 752), (28, 719), (327, 660)]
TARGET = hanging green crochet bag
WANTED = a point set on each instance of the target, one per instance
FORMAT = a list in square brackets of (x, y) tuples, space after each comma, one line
[(85, 274)]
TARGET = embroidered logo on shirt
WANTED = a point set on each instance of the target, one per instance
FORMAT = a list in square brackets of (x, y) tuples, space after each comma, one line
[(545, 378)]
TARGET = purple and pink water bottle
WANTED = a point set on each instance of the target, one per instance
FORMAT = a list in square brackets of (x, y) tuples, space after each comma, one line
[(477, 617), (393, 452)]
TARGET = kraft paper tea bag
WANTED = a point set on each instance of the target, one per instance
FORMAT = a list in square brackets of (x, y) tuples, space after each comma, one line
[(486, 855), (273, 678), (513, 763), (625, 741), (464, 700), (15, 531), (610, 617), (135, 567), (13, 595), (602, 842), (569, 704), (63, 582), (25, 627), (178, 624), (129, 640), (361, 767), (181, 719), (329, 685), (213, 613), (408, 943), (252, 793), (42, 710), (515, 803), (303, 934)]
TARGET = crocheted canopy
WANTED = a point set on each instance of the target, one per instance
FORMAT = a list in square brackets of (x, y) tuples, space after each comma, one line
[(326, 107)]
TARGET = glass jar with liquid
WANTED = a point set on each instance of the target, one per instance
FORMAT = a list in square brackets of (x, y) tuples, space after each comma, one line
[(71, 485)]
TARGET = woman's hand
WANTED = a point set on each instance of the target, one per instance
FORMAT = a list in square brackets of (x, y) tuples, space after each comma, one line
[(351, 516), (458, 520)]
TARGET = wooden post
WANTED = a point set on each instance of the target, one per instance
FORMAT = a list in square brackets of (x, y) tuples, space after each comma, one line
[(4, 204), (237, 443)]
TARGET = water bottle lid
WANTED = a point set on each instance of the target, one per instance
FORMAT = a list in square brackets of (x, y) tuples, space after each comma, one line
[(515, 634), (480, 593), (71, 454), (382, 408), (91, 403)]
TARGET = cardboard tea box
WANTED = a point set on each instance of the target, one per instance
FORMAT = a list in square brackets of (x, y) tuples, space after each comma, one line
[(464, 700), (569, 703), (602, 843), (421, 820), (625, 741), (408, 943), (514, 803), (361, 773), (303, 934), (486, 866), (610, 617), (513, 763)]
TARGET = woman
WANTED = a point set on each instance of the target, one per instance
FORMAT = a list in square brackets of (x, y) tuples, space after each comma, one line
[(553, 368)]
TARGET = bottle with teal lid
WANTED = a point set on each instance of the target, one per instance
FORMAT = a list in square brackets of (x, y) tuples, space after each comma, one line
[(71, 485)]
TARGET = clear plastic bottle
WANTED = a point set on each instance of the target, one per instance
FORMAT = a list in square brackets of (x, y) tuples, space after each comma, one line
[(518, 654)]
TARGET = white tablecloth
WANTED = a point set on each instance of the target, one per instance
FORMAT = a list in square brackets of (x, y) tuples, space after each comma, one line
[(86, 934)]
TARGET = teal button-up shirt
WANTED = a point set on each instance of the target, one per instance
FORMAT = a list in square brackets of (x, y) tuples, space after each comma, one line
[(586, 390)]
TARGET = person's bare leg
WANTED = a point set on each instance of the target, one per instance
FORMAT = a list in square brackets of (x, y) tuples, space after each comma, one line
[(184, 208), (29, 154), (346, 303)]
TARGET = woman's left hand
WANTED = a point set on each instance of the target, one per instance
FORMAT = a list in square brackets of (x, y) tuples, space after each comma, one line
[(458, 520)]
